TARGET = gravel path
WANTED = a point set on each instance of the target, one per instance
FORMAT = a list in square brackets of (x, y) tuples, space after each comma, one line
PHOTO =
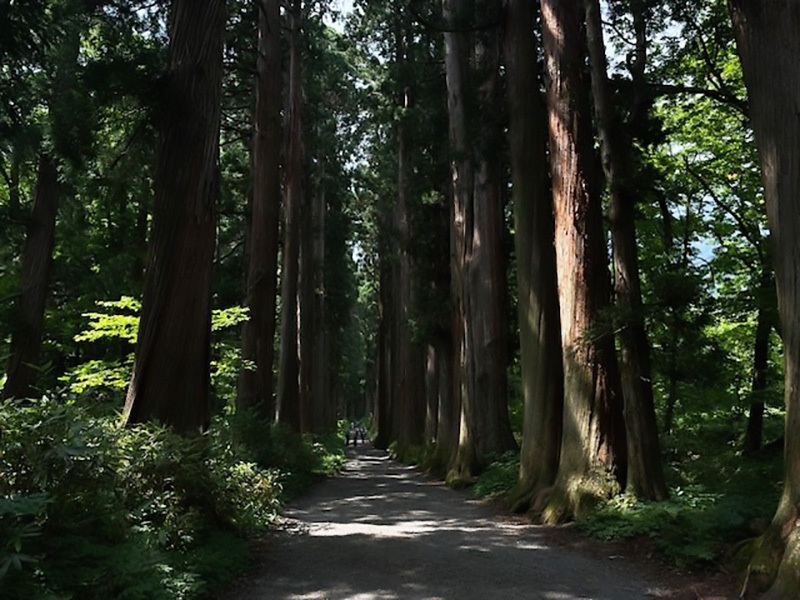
[(382, 530)]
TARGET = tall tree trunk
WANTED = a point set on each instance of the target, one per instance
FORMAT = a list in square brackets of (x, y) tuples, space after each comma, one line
[(645, 471), (289, 370), (432, 372), (408, 406), (171, 381), (305, 312), (37, 259), (765, 321), (769, 47), (384, 374), (537, 292), (478, 273), (593, 441), (258, 334), (324, 417)]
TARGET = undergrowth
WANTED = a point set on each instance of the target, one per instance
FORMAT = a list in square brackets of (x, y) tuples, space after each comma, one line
[(93, 511), (717, 496), (499, 477)]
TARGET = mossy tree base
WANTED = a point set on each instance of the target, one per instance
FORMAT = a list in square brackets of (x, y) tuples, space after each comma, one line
[(576, 498), (771, 563)]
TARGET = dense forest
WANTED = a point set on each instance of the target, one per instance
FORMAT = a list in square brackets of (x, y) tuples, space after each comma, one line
[(543, 249)]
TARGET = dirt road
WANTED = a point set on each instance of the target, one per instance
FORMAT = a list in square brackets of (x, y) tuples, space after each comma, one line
[(382, 530)]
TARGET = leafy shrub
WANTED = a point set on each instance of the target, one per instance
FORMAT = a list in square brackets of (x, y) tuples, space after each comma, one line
[(90, 510), (499, 477)]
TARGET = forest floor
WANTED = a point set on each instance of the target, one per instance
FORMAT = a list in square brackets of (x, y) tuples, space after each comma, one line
[(382, 530)]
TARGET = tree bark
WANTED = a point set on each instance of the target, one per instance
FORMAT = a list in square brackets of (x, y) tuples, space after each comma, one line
[(324, 418), (769, 47), (537, 292), (645, 471), (258, 334), (593, 447), (408, 408), (384, 385), (37, 260), (289, 412), (171, 381), (478, 274), (432, 372)]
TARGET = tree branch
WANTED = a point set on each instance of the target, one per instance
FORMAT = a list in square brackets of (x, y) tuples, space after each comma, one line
[(665, 89)]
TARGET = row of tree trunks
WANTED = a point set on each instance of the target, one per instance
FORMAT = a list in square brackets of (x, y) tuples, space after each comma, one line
[(171, 381), (537, 293), (258, 334), (593, 446), (769, 47), (645, 473)]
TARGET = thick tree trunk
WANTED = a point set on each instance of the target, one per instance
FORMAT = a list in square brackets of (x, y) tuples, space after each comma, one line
[(456, 60), (448, 416), (769, 47), (317, 415), (258, 334), (37, 259), (645, 471), (289, 370), (479, 266), (593, 442), (537, 292), (171, 381)]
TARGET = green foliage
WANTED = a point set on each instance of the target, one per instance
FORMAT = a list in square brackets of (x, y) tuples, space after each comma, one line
[(499, 477), (90, 510), (718, 497), (120, 323)]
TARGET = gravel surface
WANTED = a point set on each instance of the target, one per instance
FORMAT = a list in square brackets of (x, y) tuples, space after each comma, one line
[(382, 530)]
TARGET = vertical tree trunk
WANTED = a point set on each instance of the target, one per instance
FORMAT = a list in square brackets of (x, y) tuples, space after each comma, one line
[(769, 47), (289, 370), (765, 321), (593, 441), (37, 259), (432, 372), (324, 418), (384, 373), (537, 292), (305, 312), (170, 380), (755, 421), (258, 334), (408, 406), (478, 274), (488, 265), (645, 472)]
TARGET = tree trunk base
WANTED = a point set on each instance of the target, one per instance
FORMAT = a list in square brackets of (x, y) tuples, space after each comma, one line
[(576, 498), (772, 564)]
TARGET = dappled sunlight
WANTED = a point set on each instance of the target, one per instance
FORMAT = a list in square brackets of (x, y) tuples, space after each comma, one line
[(381, 530)]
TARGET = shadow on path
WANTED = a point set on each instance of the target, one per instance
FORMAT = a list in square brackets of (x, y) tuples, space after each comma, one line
[(382, 530)]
